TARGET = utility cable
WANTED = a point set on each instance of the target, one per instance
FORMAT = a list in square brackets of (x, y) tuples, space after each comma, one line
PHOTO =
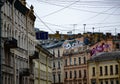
[(108, 16), (60, 9), (79, 9), (97, 14), (43, 21)]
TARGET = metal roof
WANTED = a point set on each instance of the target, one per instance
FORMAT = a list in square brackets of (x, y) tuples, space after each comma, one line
[(105, 56)]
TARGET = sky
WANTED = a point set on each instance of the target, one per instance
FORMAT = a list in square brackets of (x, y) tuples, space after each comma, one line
[(71, 15)]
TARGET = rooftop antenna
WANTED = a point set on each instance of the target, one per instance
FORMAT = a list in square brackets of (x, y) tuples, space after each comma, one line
[(93, 29), (84, 27)]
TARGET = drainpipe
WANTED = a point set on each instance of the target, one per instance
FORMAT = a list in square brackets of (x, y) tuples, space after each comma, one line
[(1, 4)]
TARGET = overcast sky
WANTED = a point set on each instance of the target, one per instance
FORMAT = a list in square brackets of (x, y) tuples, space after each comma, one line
[(70, 15)]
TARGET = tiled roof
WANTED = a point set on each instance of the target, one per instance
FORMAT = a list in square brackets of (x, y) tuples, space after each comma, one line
[(104, 56)]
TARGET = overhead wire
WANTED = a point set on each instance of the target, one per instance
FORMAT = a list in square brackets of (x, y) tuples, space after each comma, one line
[(77, 8), (96, 27), (43, 22), (92, 17), (108, 16), (60, 9)]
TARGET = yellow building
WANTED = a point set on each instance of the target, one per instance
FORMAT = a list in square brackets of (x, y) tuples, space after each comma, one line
[(43, 68), (104, 68)]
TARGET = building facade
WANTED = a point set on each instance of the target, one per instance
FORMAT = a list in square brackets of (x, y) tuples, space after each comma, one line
[(104, 68), (75, 59), (43, 67), (18, 41), (57, 66)]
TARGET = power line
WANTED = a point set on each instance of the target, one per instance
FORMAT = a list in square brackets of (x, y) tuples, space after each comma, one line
[(109, 15), (43, 22), (97, 14), (79, 9), (87, 24), (60, 9)]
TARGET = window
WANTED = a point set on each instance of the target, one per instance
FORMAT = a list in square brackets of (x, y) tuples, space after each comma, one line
[(70, 74), (111, 70), (53, 53), (106, 82), (106, 70), (58, 53), (116, 69), (79, 60), (101, 82), (111, 82), (80, 74), (74, 61), (54, 78), (84, 73), (101, 72), (66, 75), (58, 65), (53, 64), (117, 82), (75, 74), (59, 79), (93, 71), (117, 46), (84, 60), (65, 62), (70, 61)]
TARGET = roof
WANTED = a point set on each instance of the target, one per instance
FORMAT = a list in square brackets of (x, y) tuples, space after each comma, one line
[(55, 44), (19, 6), (105, 56), (44, 50)]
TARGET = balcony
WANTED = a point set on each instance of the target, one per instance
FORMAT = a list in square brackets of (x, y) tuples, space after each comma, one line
[(35, 55), (10, 42), (24, 72)]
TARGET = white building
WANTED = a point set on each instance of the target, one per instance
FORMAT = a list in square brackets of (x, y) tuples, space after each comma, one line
[(18, 41)]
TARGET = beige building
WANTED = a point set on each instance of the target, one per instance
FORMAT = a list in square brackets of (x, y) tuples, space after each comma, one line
[(75, 59), (75, 67), (18, 41), (104, 68), (43, 68), (57, 64)]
